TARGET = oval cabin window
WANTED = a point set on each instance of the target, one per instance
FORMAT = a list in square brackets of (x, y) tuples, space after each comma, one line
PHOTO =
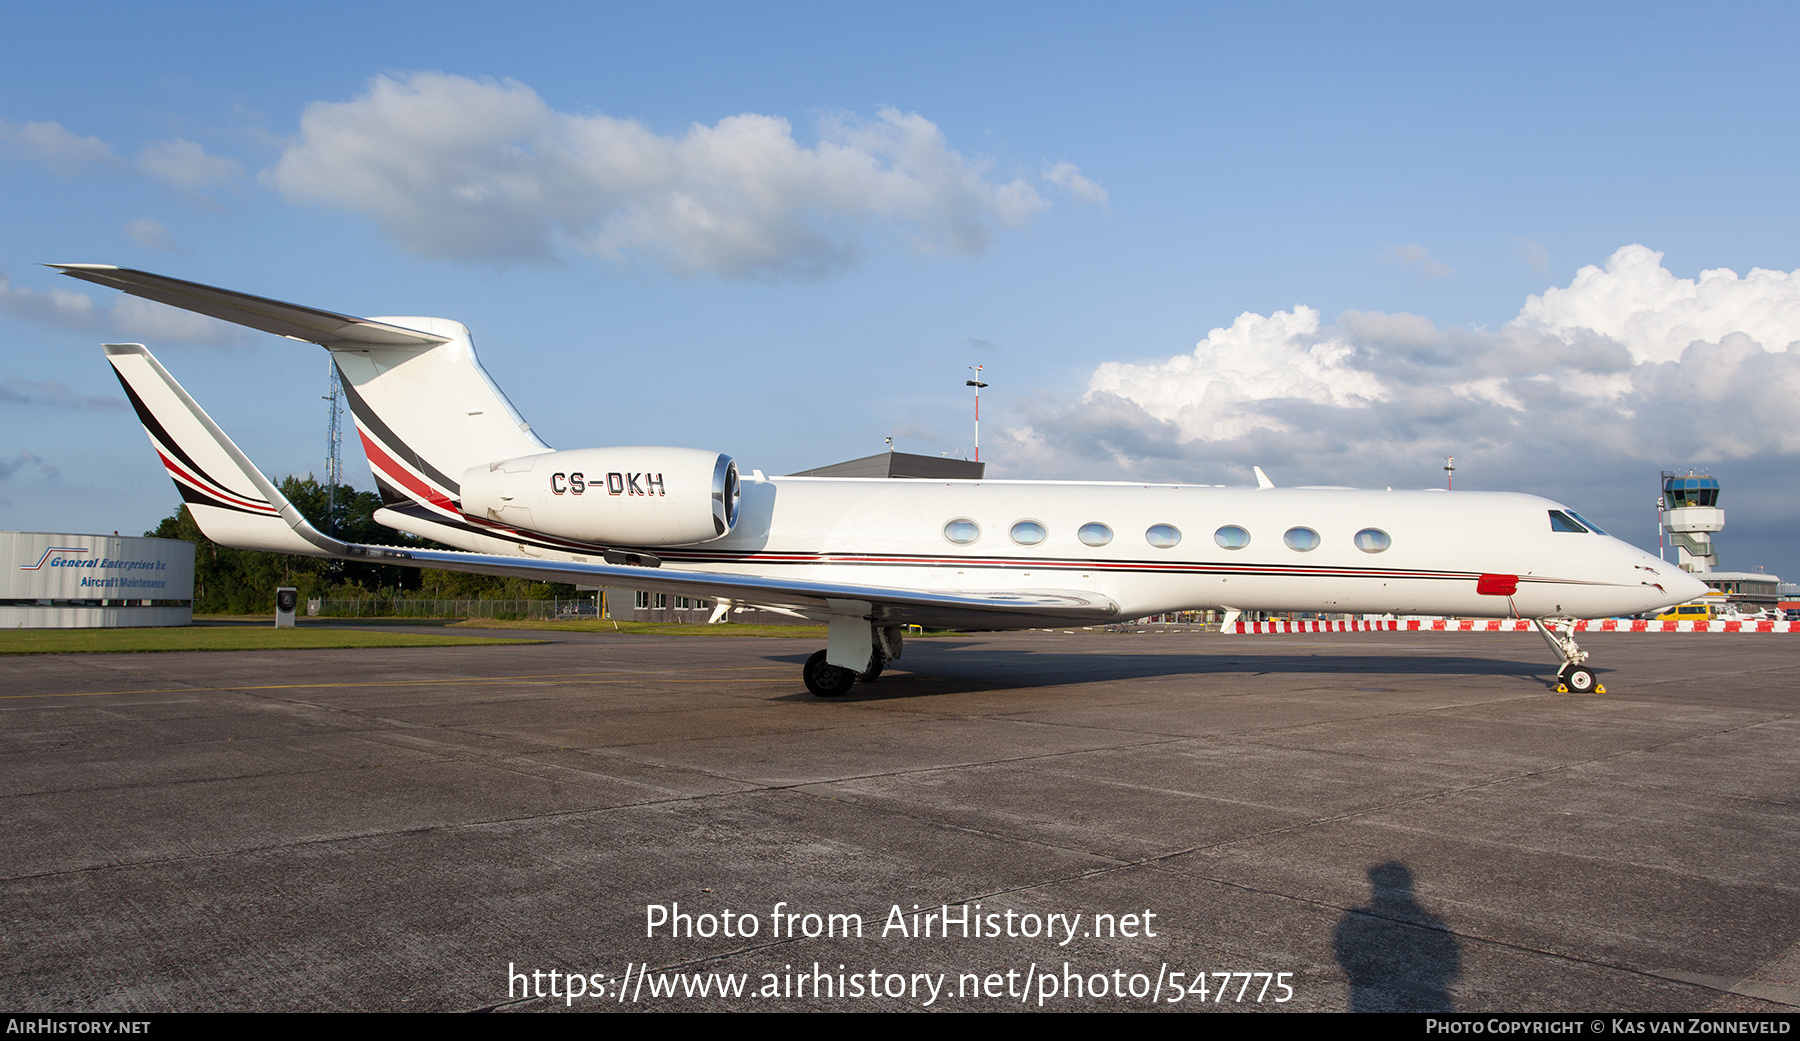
[(1163, 536), (1028, 533), (1301, 540)]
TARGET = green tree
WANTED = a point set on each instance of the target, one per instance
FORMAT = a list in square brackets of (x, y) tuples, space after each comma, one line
[(238, 581)]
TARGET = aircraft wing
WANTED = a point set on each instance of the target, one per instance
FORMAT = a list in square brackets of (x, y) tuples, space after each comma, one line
[(271, 316), (945, 609), (236, 505)]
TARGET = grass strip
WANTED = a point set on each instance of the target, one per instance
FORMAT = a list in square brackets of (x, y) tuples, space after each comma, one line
[(223, 638)]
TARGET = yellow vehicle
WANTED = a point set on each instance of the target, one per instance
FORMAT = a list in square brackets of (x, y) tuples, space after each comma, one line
[(1701, 612)]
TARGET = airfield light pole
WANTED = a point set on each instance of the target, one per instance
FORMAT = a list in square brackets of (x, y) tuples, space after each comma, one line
[(1449, 471), (977, 384)]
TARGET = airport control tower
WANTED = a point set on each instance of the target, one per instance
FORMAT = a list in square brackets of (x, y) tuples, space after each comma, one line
[(1690, 514)]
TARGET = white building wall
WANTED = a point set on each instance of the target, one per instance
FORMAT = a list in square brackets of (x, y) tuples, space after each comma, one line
[(51, 580)]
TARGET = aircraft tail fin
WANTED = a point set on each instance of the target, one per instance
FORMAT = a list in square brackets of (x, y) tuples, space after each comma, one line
[(234, 504), (424, 406), (426, 414)]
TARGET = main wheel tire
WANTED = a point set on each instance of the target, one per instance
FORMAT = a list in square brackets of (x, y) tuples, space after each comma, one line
[(825, 679), (1579, 679), (873, 674)]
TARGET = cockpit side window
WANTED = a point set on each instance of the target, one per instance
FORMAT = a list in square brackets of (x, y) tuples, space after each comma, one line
[(1560, 521)]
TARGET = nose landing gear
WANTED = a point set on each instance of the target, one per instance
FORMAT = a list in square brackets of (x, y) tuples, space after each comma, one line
[(1574, 677)]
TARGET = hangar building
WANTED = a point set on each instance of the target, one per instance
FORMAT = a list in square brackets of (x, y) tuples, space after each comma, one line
[(59, 581)]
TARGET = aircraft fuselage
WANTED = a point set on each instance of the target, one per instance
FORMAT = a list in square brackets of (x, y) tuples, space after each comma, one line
[(1426, 550)]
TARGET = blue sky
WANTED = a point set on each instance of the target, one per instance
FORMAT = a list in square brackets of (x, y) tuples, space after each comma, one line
[(784, 232)]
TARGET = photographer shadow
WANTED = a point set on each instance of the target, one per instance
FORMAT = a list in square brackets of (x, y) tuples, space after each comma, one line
[(1397, 955)]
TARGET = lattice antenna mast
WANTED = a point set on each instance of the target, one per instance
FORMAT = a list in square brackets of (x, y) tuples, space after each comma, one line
[(334, 448)]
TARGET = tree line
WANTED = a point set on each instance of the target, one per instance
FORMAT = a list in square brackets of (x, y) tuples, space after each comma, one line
[(242, 581)]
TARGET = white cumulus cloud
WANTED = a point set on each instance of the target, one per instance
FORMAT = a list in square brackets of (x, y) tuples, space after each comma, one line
[(478, 169), (185, 166), (1639, 303), (1627, 369), (61, 150), (1069, 178), (1282, 356)]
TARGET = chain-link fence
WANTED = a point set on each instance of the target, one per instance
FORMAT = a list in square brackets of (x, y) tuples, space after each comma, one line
[(407, 607)]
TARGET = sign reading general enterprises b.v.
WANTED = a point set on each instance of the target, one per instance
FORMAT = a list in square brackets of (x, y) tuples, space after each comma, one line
[(48, 566)]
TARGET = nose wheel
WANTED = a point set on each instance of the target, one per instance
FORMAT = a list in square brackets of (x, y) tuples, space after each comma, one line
[(1579, 679)]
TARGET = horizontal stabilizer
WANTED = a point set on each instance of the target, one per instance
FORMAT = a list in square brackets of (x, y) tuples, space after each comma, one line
[(425, 408), (271, 316)]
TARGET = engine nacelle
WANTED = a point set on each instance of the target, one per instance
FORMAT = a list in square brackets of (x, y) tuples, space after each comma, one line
[(612, 496)]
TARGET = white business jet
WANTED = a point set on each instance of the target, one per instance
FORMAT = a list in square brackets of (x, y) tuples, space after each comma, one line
[(456, 464)]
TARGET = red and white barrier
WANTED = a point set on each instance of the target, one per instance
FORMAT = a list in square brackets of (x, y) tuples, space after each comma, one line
[(1513, 625)]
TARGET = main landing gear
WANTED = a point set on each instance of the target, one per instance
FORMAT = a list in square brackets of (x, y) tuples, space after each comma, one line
[(825, 679), (855, 639), (1574, 677)]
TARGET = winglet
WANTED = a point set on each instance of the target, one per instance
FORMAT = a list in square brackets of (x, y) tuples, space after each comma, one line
[(231, 500), (1262, 479)]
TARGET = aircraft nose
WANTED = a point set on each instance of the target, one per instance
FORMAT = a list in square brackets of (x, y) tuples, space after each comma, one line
[(1686, 586)]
